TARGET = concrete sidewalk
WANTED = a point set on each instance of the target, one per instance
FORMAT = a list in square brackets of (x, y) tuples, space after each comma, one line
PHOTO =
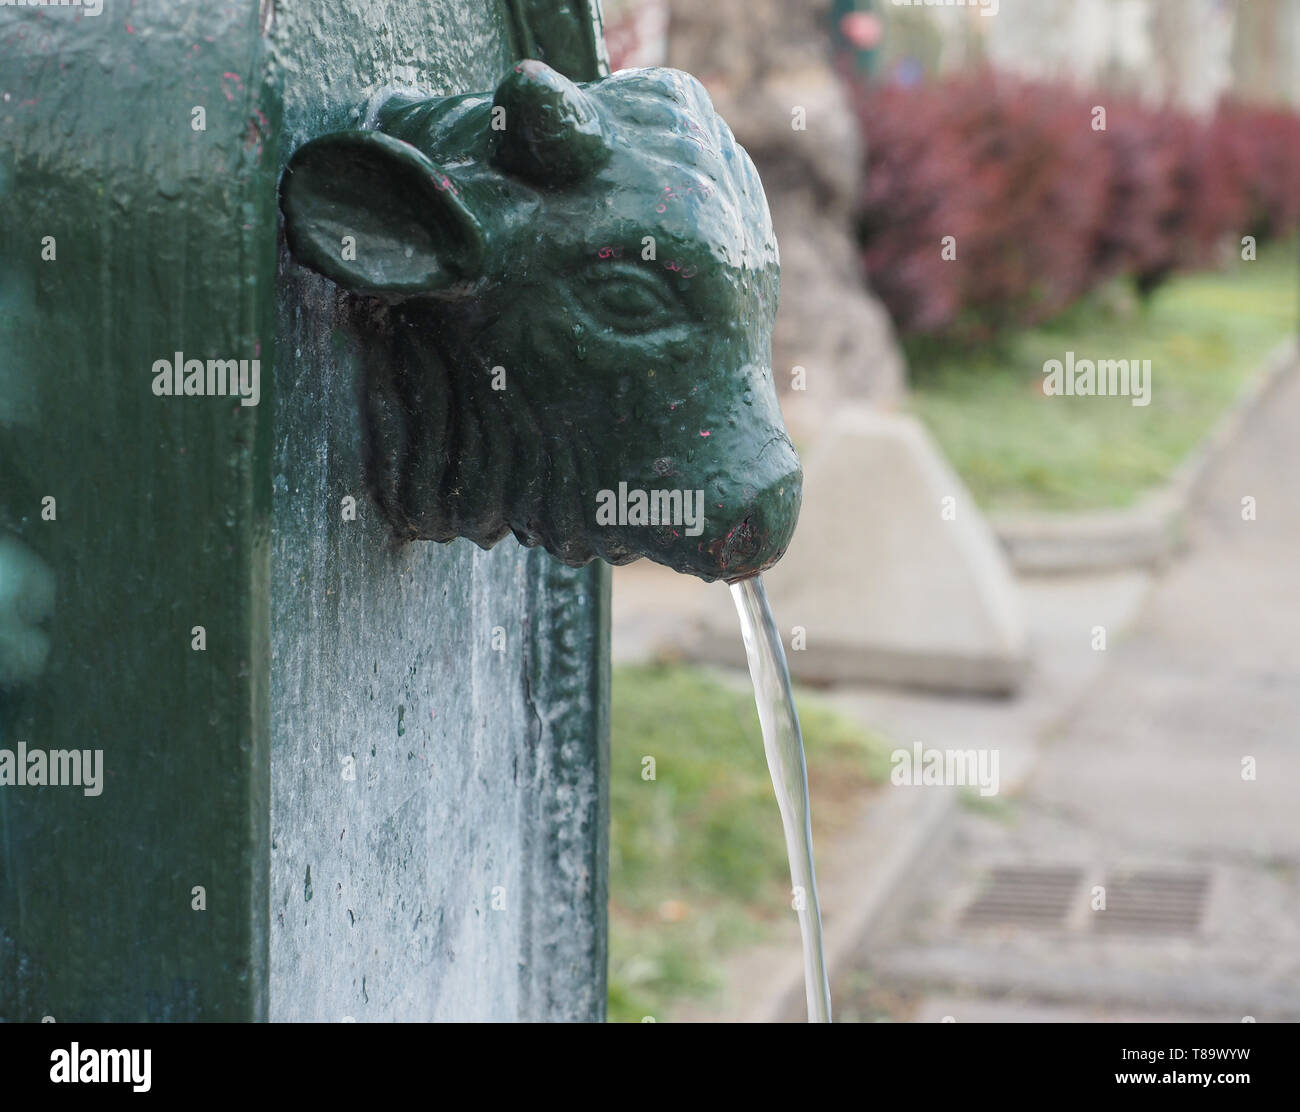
[(1121, 768), (863, 875), (1173, 786)]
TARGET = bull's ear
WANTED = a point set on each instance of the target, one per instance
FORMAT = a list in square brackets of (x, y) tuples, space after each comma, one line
[(411, 231)]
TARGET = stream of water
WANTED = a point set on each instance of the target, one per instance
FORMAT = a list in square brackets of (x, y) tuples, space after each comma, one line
[(783, 743)]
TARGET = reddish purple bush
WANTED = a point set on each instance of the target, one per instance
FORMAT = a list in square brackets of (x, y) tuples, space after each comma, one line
[(1260, 149), (1042, 208)]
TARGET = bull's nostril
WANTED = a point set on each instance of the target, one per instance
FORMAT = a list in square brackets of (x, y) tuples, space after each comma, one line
[(742, 543)]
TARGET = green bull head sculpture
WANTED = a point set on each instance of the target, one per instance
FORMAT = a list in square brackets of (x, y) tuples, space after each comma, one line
[(576, 286)]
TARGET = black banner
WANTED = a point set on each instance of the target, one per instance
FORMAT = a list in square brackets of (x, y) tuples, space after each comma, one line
[(1228, 1062)]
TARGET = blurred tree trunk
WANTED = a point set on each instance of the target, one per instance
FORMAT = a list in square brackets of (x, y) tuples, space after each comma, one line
[(767, 65)]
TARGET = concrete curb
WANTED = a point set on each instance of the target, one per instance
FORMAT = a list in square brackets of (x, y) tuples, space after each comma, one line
[(857, 882), (937, 607), (867, 873), (858, 900), (1151, 532)]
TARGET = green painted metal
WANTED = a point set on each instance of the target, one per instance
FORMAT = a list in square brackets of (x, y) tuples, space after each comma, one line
[(565, 34), (374, 783), (460, 871), (129, 235), (462, 874), (573, 287)]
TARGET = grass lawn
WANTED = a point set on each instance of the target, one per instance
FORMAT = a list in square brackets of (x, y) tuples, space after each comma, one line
[(1017, 448), (697, 857)]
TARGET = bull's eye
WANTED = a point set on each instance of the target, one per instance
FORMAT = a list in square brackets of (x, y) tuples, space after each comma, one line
[(627, 298)]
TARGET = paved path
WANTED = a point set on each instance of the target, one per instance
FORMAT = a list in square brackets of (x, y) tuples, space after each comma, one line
[(1146, 778), (1115, 764)]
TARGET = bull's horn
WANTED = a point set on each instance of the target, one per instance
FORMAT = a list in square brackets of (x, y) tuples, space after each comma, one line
[(551, 131)]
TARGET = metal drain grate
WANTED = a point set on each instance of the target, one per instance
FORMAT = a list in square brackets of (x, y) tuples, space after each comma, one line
[(1153, 902), (1024, 896)]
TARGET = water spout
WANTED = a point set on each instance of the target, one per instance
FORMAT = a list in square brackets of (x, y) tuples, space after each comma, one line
[(783, 743)]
